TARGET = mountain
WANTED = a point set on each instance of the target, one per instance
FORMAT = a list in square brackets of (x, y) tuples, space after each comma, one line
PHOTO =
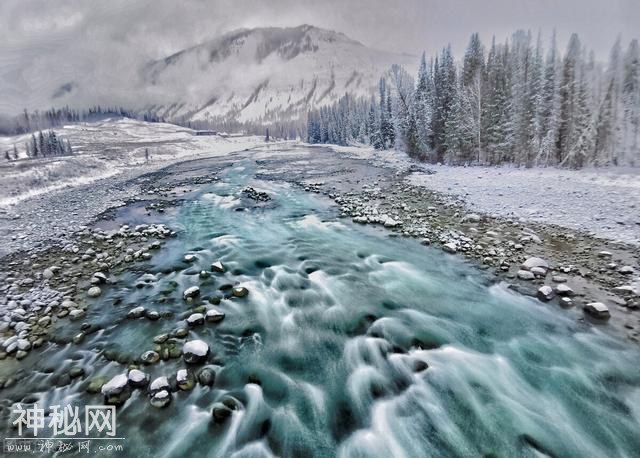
[(264, 74)]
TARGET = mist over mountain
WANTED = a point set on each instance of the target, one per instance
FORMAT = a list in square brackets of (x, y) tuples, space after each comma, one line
[(266, 74), (255, 75)]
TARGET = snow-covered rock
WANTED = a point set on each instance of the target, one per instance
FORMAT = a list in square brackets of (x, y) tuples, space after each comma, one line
[(195, 351)]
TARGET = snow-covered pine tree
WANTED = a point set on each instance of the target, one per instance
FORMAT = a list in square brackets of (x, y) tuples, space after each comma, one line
[(568, 132), (34, 146), (444, 94), (423, 110), (389, 129), (473, 82), (381, 142), (631, 104), (497, 105), (403, 115), (550, 107)]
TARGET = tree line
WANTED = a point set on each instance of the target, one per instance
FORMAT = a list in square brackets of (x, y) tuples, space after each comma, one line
[(517, 103), (45, 144), (27, 122)]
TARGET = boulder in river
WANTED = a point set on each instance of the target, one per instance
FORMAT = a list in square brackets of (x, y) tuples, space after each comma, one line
[(161, 399), (159, 384), (223, 410), (597, 310), (195, 319), (150, 357), (545, 293), (195, 351), (94, 291), (218, 267), (214, 316), (98, 278), (240, 291), (76, 314), (191, 292), (137, 378), (206, 376), (136, 312), (185, 380), (116, 391)]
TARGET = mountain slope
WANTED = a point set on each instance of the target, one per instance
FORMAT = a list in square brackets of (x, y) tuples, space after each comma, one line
[(265, 74)]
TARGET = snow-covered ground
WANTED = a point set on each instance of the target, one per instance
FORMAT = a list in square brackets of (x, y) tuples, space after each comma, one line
[(104, 149), (604, 201)]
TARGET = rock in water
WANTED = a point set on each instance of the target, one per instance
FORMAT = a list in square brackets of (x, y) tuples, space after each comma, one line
[(214, 316), (136, 312), (94, 291), (185, 380), (161, 399), (150, 357), (566, 302), (98, 278), (195, 319), (159, 384), (76, 314), (191, 292), (116, 390), (206, 376), (597, 310), (137, 378), (220, 412), (240, 291), (218, 267), (545, 293), (195, 351)]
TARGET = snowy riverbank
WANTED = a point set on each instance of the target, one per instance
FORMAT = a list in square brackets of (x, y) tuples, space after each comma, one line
[(104, 149), (603, 202)]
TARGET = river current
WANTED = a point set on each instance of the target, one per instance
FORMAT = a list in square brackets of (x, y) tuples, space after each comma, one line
[(350, 343)]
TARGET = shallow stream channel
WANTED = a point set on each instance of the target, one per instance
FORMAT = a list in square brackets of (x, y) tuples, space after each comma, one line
[(349, 343)]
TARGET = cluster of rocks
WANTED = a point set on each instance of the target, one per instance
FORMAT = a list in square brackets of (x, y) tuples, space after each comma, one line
[(503, 244), (119, 388), (58, 283), (253, 194)]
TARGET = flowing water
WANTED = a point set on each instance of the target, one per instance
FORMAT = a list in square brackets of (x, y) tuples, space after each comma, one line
[(352, 343)]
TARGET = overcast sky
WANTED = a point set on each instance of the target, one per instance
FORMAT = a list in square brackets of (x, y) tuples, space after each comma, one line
[(114, 36)]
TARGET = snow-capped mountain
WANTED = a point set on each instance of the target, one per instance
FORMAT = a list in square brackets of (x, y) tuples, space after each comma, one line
[(265, 74)]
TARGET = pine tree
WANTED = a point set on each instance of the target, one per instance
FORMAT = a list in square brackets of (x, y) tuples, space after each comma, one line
[(42, 146), (473, 60), (34, 146), (631, 104), (389, 134), (423, 110)]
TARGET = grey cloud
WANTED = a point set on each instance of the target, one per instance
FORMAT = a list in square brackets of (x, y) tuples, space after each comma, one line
[(47, 44)]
